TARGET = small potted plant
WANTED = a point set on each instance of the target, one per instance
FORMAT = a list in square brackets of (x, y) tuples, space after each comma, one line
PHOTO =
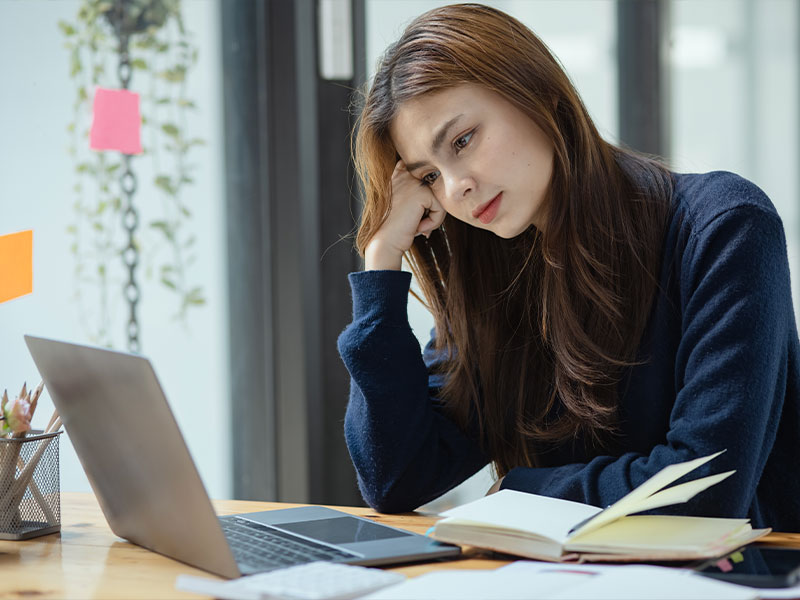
[(29, 475)]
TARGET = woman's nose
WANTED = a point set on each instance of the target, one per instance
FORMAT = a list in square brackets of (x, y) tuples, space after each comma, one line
[(459, 186)]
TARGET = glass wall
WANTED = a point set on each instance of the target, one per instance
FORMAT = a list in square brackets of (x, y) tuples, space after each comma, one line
[(734, 77), (51, 182)]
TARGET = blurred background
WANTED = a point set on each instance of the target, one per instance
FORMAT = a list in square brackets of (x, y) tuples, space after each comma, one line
[(246, 200)]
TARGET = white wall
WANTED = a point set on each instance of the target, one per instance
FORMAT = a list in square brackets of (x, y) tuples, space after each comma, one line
[(36, 179)]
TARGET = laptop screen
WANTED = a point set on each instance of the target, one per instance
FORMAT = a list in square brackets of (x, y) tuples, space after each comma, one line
[(340, 530)]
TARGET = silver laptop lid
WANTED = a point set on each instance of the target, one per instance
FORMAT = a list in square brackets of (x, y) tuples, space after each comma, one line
[(119, 421)]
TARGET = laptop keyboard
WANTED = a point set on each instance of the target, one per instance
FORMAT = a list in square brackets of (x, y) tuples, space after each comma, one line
[(263, 548)]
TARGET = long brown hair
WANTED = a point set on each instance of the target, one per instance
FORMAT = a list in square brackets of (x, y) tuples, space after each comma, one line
[(538, 329)]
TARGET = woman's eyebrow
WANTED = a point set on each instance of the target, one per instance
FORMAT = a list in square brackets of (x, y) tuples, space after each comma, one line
[(438, 139)]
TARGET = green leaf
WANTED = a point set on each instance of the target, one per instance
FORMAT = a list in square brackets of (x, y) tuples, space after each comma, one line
[(168, 283), (145, 42), (139, 63), (164, 228), (176, 74), (165, 183), (193, 142), (163, 100), (185, 212), (195, 296), (98, 226), (170, 129), (72, 229), (75, 64), (186, 103), (66, 28)]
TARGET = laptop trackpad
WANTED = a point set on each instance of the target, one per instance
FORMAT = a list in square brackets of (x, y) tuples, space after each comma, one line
[(340, 530)]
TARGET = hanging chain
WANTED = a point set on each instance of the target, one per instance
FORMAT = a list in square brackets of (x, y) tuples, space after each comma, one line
[(130, 218)]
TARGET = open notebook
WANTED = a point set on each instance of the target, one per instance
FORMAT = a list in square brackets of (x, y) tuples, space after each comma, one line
[(552, 529)]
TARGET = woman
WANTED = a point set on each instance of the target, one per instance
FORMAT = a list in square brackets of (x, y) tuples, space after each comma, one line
[(597, 317)]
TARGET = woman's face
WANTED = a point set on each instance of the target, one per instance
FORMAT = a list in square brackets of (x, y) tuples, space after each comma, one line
[(485, 161)]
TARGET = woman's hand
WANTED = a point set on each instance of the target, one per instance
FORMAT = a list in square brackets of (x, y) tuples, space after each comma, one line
[(495, 486), (414, 211)]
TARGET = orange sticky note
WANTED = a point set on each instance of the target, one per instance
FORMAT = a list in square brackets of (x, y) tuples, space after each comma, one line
[(16, 265), (116, 121)]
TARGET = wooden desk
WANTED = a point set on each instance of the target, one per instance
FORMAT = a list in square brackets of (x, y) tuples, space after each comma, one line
[(86, 560)]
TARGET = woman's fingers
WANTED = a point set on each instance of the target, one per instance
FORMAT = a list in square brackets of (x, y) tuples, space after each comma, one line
[(413, 211), (429, 223), (432, 217)]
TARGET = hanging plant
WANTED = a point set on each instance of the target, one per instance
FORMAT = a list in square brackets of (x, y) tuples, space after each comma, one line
[(160, 54)]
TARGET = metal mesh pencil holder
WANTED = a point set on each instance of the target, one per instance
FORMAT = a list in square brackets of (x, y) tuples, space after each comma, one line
[(30, 498)]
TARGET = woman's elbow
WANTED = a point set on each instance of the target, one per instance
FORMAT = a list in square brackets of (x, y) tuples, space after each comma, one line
[(382, 500)]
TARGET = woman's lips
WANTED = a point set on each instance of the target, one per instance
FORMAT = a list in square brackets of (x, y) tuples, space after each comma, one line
[(486, 213)]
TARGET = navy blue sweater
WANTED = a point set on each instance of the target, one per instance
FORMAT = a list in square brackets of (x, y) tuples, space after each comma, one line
[(719, 370)]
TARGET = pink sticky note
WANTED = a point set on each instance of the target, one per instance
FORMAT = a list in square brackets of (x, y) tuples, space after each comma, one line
[(724, 565), (116, 122)]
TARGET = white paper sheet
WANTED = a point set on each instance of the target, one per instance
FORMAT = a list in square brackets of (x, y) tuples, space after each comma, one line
[(526, 580), (476, 585)]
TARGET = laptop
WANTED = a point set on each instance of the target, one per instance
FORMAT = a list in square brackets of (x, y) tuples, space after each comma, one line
[(120, 424)]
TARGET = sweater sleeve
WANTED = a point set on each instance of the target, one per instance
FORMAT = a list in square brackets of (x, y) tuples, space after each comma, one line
[(730, 373), (406, 452)]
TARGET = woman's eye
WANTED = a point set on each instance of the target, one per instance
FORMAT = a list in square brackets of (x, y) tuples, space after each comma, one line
[(462, 142), (430, 178)]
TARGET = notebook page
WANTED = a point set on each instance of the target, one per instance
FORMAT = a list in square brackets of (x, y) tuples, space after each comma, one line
[(652, 532), (631, 502), (509, 509), (681, 493)]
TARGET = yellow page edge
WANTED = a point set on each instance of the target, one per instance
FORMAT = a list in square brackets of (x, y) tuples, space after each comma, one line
[(631, 502)]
